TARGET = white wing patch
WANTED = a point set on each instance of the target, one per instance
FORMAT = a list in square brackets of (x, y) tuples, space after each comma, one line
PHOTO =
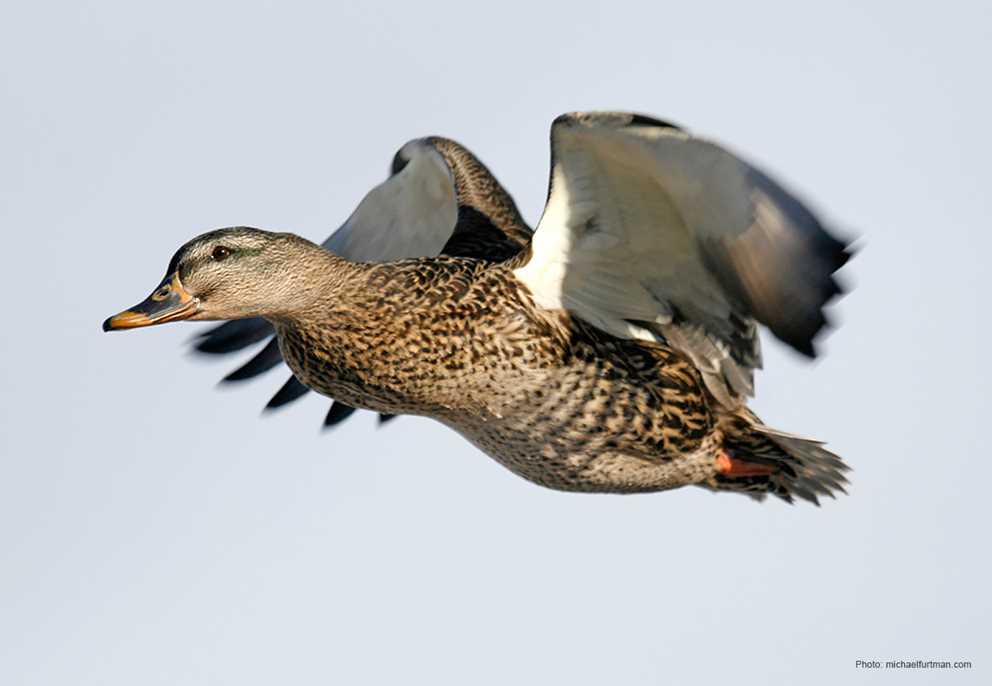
[(651, 232), (609, 235)]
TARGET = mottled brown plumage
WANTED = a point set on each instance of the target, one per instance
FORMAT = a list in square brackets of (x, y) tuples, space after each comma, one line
[(554, 400), (487, 226), (461, 340), (483, 338)]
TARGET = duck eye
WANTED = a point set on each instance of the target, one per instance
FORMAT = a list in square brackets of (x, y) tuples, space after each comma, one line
[(220, 253)]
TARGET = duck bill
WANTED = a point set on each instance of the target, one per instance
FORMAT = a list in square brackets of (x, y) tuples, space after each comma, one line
[(169, 302)]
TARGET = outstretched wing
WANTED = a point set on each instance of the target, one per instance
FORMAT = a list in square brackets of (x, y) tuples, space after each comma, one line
[(439, 198), (649, 231)]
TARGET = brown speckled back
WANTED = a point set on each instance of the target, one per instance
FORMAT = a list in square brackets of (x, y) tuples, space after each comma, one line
[(553, 399)]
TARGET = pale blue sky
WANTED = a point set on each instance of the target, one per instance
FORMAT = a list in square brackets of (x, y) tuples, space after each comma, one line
[(155, 530)]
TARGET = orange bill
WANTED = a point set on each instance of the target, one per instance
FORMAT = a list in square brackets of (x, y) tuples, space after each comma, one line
[(169, 303)]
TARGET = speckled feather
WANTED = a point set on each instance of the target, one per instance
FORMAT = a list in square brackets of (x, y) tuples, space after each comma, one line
[(554, 400), (491, 340), (488, 227)]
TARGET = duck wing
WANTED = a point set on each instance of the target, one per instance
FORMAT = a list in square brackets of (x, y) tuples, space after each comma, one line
[(650, 232), (488, 225), (439, 199)]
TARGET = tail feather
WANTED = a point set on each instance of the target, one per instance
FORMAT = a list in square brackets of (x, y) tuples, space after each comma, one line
[(798, 467)]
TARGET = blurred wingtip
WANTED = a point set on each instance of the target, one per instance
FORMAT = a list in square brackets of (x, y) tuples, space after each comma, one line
[(231, 336), (267, 358), (290, 391), (336, 414)]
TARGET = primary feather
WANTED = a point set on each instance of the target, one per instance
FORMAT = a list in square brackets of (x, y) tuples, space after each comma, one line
[(651, 232)]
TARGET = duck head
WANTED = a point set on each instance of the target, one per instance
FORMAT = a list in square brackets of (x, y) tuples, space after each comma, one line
[(227, 274)]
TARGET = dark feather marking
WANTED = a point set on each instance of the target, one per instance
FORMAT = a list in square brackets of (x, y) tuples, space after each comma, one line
[(337, 413), (232, 336), (267, 358), (290, 391)]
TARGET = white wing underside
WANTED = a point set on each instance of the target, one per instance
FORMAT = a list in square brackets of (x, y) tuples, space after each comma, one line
[(650, 232)]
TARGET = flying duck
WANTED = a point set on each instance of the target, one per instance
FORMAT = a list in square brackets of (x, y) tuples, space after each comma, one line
[(439, 199), (611, 350)]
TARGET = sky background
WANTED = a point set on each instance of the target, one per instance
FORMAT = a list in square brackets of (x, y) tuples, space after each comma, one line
[(156, 530)]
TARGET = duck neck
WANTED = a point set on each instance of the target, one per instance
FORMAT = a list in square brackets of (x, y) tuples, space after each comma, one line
[(313, 288), (334, 331)]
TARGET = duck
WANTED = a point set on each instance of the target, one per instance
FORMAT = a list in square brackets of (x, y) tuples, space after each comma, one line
[(439, 198), (610, 350)]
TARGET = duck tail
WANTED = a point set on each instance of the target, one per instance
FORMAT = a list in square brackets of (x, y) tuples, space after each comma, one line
[(758, 460)]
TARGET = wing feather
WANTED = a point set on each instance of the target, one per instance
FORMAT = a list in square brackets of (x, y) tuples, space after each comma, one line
[(649, 231), (410, 214)]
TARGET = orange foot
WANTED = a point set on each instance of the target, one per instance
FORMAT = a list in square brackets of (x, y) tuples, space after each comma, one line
[(729, 466)]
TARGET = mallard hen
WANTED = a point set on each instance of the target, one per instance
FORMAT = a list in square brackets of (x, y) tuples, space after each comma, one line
[(438, 199), (613, 353)]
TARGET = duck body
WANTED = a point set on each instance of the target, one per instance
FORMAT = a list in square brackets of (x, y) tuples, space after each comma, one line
[(612, 349), (555, 401)]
